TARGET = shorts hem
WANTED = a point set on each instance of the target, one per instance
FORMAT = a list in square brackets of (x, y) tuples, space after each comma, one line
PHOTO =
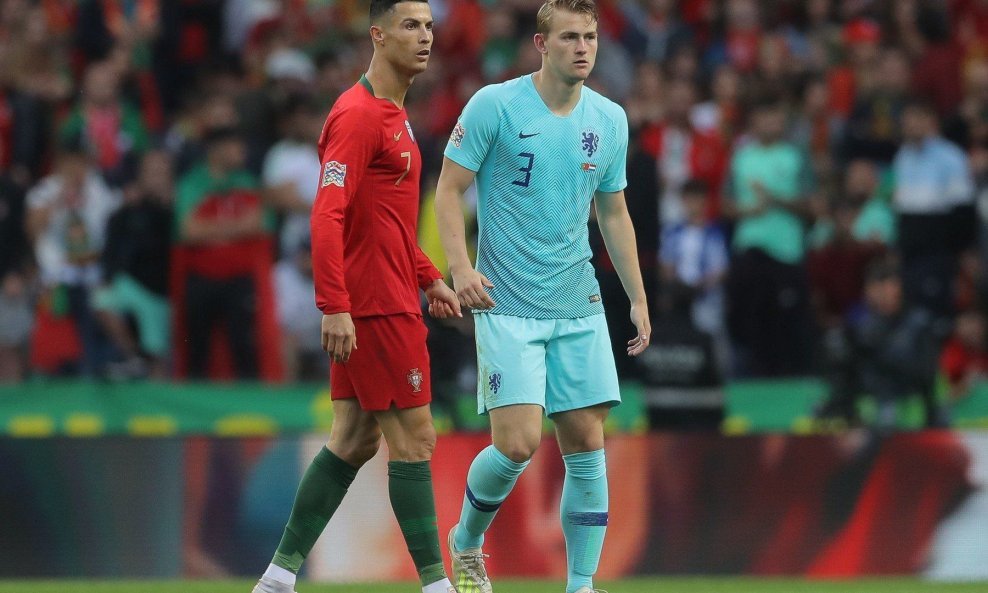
[(612, 401), (483, 408)]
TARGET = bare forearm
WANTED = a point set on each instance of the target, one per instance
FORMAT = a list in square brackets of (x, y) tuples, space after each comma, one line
[(452, 230), (619, 237)]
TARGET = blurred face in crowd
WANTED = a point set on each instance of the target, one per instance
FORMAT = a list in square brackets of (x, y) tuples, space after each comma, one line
[(73, 167), (100, 86), (403, 35), (695, 205), (726, 84), (971, 330), (884, 295), (742, 15), (768, 123), (816, 99), (860, 181), (918, 124), (569, 46), (156, 176), (976, 81), (218, 111), (894, 73), (679, 102), (228, 154)]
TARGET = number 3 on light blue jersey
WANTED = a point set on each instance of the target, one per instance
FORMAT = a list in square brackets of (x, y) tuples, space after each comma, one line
[(527, 169)]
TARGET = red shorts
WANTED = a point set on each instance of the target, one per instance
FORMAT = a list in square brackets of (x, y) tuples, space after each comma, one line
[(389, 367)]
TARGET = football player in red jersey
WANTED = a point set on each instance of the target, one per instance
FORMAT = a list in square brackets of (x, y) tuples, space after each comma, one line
[(368, 270)]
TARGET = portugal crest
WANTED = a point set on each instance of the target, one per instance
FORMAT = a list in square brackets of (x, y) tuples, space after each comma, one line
[(588, 141), (415, 380)]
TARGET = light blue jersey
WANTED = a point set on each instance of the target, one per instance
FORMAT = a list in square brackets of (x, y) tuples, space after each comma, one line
[(537, 174)]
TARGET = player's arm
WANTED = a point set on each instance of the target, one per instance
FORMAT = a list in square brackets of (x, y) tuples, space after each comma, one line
[(467, 149), (619, 237), (454, 180), (349, 146)]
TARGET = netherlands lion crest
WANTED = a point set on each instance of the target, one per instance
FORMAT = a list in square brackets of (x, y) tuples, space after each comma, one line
[(415, 379), (589, 141), (494, 382)]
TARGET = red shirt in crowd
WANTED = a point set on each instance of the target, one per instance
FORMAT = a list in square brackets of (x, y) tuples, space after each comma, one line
[(366, 260), (958, 360)]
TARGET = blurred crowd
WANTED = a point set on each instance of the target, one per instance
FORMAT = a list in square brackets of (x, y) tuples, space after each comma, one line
[(808, 181)]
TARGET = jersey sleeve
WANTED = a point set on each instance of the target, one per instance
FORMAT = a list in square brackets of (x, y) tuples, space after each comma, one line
[(348, 147), (425, 270), (475, 130), (615, 177)]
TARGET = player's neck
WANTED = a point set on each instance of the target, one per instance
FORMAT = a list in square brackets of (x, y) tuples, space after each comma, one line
[(388, 83), (559, 96)]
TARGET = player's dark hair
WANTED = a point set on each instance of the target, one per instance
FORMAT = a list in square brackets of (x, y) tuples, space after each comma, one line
[(379, 7), (544, 19)]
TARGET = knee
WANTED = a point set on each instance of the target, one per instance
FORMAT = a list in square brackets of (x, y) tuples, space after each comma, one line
[(518, 449), (358, 450), (417, 445)]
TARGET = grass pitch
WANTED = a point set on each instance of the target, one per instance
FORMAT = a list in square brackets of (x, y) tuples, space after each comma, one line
[(671, 585)]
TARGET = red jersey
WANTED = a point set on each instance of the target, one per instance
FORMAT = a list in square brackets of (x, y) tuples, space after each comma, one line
[(365, 256)]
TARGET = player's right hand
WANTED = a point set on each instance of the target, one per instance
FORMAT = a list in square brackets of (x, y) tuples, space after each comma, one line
[(470, 286), (339, 338)]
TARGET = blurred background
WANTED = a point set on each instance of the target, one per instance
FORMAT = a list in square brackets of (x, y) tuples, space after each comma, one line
[(812, 400)]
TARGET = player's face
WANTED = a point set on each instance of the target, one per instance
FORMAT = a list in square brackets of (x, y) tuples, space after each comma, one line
[(407, 36), (570, 46)]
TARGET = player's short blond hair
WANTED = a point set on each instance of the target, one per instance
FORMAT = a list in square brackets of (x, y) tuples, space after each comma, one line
[(544, 18)]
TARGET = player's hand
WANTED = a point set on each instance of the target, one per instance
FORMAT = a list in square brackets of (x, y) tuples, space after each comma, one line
[(443, 303), (339, 338), (639, 317), (471, 289)]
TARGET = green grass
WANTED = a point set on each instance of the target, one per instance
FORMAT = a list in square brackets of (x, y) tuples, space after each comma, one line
[(671, 585)]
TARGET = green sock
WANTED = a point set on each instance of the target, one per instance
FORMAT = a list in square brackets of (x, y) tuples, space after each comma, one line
[(320, 493), (410, 487)]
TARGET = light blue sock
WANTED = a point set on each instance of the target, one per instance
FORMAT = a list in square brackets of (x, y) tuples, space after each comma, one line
[(583, 511), (490, 480)]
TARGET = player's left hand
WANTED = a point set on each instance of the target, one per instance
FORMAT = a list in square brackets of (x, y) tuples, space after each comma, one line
[(639, 317), (443, 303)]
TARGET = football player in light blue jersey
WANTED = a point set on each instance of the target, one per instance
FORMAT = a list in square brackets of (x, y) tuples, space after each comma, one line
[(542, 149)]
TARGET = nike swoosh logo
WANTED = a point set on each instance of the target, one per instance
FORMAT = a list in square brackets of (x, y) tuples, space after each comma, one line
[(398, 135), (523, 135)]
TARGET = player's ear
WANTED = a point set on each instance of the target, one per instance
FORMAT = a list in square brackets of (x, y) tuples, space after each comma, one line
[(377, 34), (540, 43)]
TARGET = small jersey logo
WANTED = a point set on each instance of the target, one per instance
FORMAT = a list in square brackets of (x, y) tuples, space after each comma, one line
[(334, 173), (408, 127), (494, 382), (589, 141), (595, 298), (588, 167), (523, 135), (415, 380), (457, 136), (398, 135)]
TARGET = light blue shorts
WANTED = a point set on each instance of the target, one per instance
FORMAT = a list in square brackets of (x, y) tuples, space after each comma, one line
[(559, 364)]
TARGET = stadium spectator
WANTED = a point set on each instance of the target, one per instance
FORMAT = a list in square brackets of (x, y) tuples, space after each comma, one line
[(964, 360), (67, 213), (684, 153), (769, 314), (291, 171), (889, 351), (694, 254), (16, 321), (300, 321), (723, 112), (934, 195), (837, 269), (135, 267), (113, 131), (872, 130), (219, 219), (654, 30)]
